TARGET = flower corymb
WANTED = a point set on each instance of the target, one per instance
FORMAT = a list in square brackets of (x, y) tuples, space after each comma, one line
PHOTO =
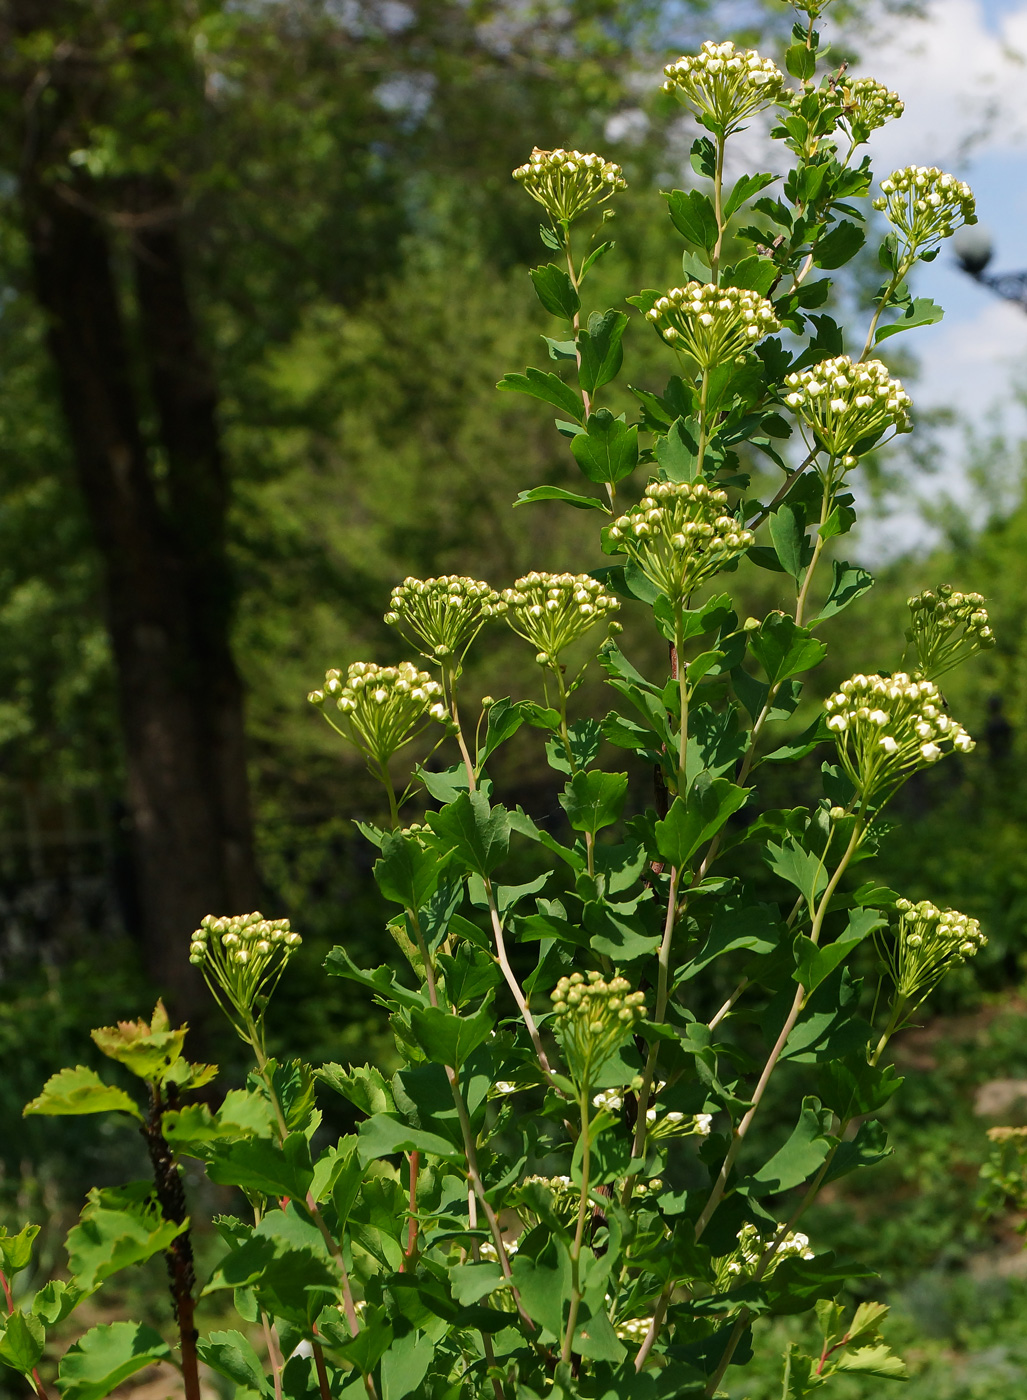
[(866, 106), (553, 610), (925, 205), (947, 628), (569, 183), (680, 534), (925, 944), (593, 1017), (242, 956), (723, 85), (382, 706), (442, 616), (888, 726), (841, 403), (713, 324)]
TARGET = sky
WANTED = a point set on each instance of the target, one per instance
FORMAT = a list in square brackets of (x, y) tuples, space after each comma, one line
[(962, 73)]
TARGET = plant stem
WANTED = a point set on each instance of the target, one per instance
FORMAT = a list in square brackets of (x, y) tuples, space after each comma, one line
[(579, 1233), (449, 688), (274, 1353), (179, 1255), (682, 677), (738, 1137), (513, 984), (322, 1371), (785, 487), (718, 209), (37, 1384), (410, 1253)]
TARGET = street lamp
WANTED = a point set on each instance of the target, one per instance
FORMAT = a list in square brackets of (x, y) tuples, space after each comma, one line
[(973, 248)]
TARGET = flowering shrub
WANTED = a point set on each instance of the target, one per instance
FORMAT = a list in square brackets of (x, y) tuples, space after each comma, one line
[(570, 1186)]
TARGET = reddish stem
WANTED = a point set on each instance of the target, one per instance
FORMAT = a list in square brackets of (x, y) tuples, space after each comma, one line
[(410, 1254)]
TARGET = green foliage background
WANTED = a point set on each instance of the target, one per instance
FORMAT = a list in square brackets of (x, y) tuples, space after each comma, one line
[(362, 286)]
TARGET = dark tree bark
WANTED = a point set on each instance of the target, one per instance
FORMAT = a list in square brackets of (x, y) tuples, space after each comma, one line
[(161, 536)]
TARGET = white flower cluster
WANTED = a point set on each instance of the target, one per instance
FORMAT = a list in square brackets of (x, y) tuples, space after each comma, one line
[(947, 628), (723, 85), (752, 1246), (926, 943), (487, 1250), (553, 610), (593, 1018), (888, 726), (633, 1329), (680, 535), (925, 205), (671, 1124), (866, 106), (443, 614), (242, 957), (569, 183), (714, 325), (841, 403), (382, 706)]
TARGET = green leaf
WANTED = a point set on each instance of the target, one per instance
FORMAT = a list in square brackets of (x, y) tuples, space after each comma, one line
[(840, 245), (850, 582), (703, 157), (854, 1088), (873, 1361), (557, 493), (505, 717), (757, 274), (784, 649), (119, 1226), (922, 311), (693, 216), (696, 818), (232, 1356), (548, 387), (744, 188), (801, 1155), (258, 1165), (381, 980), (600, 349), (21, 1342), (448, 1039), (80, 1090), (477, 834), (405, 1364), (555, 291), (678, 452), (407, 873), (106, 1356), (800, 61), (471, 1282), (801, 868), (866, 1149), (608, 449), (544, 1285), (55, 1301), (788, 532), (814, 963), (384, 1136), (148, 1049), (594, 800), (753, 928), (16, 1250)]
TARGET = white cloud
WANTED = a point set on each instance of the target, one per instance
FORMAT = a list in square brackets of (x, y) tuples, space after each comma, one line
[(962, 83)]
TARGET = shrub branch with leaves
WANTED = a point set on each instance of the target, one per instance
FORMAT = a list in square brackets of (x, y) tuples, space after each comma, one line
[(571, 1186)]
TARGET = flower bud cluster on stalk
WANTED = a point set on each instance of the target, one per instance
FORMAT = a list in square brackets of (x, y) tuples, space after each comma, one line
[(552, 611), (566, 1178), (383, 707), (713, 325), (924, 944), (841, 405), (242, 957), (724, 85), (924, 205), (594, 1017), (947, 628), (442, 616), (886, 727), (568, 183), (680, 535)]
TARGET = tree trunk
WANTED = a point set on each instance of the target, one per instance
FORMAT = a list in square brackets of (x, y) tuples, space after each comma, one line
[(166, 573)]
